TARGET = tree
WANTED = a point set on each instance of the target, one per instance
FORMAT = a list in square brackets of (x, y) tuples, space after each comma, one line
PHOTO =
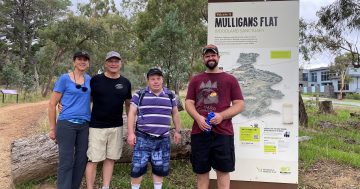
[(20, 22), (119, 37), (68, 35), (336, 22), (190, 16), (10, 73), (166, 47), (340, 68)]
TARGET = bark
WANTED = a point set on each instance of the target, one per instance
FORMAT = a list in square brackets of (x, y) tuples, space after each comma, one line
[(326, 107), (54, 64), (36, 157), (303, 118)]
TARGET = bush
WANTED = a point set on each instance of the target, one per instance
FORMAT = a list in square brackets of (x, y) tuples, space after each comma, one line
[(354, 96)]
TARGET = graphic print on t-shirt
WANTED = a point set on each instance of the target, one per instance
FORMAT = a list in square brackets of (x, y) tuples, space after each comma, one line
[(207, 96)]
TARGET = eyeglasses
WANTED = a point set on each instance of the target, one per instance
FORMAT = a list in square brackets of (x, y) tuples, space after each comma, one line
[(78, 86)]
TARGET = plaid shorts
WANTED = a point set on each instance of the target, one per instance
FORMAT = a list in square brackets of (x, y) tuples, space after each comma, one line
[(153, 150)]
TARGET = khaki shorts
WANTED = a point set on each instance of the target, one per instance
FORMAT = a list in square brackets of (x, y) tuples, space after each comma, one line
[(105, 143)]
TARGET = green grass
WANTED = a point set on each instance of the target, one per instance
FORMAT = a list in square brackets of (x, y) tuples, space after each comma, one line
[(181, 177), (340, 142), (186, 120), (11, 99)]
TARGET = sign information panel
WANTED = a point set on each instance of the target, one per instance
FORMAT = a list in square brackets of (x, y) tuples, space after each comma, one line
[(258, 44)]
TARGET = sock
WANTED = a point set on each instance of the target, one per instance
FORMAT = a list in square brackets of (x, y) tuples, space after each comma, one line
[(135, 186), (157, 185), (105, 187)]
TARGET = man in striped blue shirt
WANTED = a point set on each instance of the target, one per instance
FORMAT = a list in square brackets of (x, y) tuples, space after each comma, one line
[(153, 109)]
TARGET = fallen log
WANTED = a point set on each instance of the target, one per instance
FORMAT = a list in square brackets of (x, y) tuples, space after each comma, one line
[(36, 157)]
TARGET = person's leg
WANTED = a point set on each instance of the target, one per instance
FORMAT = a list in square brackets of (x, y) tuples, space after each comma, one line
[(135, 182), (202, 181), (108, 167), (90, 174), (157, 181), (81, 146), (160, 161), (140, 160), (223, 156), (95, 153), (200, 158), (223, 180), (113, 152), (66, 135)]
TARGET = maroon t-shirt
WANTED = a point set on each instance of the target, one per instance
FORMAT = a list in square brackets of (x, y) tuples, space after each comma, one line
[(214, 92)]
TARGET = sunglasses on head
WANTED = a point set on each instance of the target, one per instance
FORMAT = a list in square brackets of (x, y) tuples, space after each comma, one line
[(78, 86)]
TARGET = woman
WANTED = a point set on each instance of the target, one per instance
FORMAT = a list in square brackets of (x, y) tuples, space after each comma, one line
[(71, 129)]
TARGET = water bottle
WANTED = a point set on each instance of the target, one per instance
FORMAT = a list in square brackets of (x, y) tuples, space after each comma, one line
[(209, 117)]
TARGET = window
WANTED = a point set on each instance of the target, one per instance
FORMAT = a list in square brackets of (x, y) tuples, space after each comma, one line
[(325, 76), (305, 76), (313, 77), (346, 85)]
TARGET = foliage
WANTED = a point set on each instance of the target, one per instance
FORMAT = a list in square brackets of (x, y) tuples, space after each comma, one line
[(340, 68), (152, 22), (170, 56), (354, 96), (332, 138), (10, 73), (331, 32), (20, 25), (69, 35)]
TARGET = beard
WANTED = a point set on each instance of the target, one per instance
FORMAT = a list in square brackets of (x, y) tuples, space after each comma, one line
[(211, 64)]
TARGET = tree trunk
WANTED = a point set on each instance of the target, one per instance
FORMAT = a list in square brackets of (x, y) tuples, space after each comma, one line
[(303, 118), (326, 107), (54, 64), (36, 157)]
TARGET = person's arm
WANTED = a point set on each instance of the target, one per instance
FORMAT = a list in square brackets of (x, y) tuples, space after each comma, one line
[(130, 123), (127, 106), (54, 100), (200, 120), (236, 108), (176, 121)]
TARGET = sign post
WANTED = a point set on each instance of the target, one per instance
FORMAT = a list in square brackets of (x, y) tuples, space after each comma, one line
[(258, 43)]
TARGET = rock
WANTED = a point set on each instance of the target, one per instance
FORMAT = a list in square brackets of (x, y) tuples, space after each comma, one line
[(304, 138)]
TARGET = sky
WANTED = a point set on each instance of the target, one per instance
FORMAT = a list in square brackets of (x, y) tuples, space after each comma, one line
[(308, 10)]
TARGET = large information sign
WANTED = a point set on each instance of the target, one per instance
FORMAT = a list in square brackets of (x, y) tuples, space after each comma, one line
[(258, 44)]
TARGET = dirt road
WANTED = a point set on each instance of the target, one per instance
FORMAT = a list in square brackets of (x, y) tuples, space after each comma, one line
[(16, 121)]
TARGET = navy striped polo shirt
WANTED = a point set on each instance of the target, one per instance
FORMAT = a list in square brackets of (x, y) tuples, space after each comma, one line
[(154, 115)]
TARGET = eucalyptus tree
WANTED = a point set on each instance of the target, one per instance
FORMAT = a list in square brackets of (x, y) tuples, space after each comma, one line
[(339, 68), (336, 30), (189, 19), (20, 22), (66, 36)]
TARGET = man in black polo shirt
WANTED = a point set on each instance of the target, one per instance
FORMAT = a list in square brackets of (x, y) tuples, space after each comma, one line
[(109, 91)]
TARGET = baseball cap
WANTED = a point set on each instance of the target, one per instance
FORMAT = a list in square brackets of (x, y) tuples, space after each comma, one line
[(210, 47), (112, 54), (154, 71), (81, 54)]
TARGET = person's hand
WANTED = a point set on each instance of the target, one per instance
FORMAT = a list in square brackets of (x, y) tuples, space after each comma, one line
[(177, 137), (131, 139), (201, 121), (217, 119), (60, 107), (52, 135)]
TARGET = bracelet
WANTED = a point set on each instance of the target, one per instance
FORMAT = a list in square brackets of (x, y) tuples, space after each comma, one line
[(179, 131)]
